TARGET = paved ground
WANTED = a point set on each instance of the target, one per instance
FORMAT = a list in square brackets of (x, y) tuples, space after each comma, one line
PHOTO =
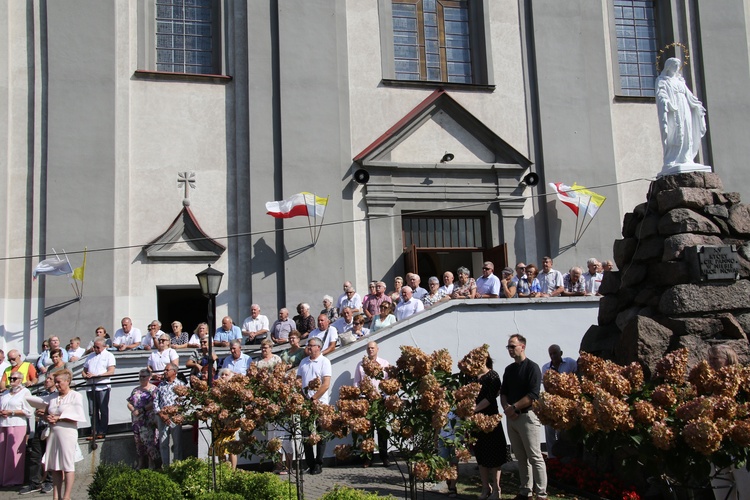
[(375, 478)]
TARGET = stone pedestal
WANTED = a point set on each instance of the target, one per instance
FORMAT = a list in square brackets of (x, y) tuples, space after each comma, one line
[(684, 265)]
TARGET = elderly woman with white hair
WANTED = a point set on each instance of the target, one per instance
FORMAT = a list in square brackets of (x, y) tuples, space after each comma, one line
[(178, 338), (328, 309), (465, 287), (162, 356), (434, 294)]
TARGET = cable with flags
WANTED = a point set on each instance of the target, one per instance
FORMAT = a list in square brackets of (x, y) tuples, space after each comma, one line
[(582, 202), (301, 204)]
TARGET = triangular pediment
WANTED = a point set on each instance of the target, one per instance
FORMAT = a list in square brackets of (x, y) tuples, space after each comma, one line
[(439, 124), (184, 240)]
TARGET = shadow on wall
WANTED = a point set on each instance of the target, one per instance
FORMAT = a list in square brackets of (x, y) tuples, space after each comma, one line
[(50, 310), (264, 259), (554, 224)]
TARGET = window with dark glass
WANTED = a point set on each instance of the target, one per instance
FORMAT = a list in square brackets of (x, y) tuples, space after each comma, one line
[(444, 232), (432, 40), (635, 22), (185, 36)]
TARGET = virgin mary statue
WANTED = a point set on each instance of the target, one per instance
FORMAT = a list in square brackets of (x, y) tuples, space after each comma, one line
[(682, 121)]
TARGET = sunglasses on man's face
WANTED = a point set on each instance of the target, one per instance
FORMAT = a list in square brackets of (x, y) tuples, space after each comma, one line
[(12, 379)]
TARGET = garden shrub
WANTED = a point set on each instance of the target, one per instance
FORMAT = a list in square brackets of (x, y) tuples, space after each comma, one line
[(260, 485), (346, 493), (103, 475), (219, 495), (141, 485), (195, 477)]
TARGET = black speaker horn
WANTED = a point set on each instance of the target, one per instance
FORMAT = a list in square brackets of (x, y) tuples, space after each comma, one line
[(531, 179), (361, 176)]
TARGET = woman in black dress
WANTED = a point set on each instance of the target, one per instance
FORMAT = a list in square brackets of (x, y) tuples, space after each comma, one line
[(490, 448)]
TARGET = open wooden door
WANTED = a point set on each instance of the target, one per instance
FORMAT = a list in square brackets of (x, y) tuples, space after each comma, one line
[(498, 256), (410, 261)]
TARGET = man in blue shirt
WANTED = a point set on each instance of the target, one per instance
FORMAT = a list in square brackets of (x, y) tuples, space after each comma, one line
[(488, 286), (227, 333), (237, 361)]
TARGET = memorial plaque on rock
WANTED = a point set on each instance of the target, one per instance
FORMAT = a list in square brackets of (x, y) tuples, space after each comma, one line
[(713, 262)]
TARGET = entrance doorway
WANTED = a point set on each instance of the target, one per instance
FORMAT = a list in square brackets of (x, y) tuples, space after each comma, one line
[(186, 305), (438, 243)]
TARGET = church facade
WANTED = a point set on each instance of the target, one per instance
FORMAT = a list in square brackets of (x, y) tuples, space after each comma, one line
[(153, 132)]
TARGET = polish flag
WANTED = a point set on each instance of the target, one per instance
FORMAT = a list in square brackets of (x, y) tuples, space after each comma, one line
[(567, 195), (300, 204)]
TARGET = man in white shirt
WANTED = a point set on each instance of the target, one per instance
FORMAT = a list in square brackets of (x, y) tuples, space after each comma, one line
[(488, 285), (97, 369), (408, 305), (351, 300), (550, 281), (593, 278), (359, 375), (342, 297), (448, 279), (255, 326), (345, 322), (327, 334), (154, 334), (315, 366), (128, 337), (75, 352)]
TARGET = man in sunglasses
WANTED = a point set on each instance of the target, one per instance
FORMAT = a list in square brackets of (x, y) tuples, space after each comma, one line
[(522, 382), (16, 365), (488, 285)]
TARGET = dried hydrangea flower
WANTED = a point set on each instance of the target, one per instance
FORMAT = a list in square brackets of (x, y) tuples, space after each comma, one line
[(702, 436), (473, 363)]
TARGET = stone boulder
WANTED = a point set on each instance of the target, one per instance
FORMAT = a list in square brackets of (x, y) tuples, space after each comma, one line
[(600, 340), (695, 198), (689, 299), (739, 220), (706, 180), (675, 244), (643, 340), (684, 220)]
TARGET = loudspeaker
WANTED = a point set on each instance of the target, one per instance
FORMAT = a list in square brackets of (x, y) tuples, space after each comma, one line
[(361, 176), (531, 179)]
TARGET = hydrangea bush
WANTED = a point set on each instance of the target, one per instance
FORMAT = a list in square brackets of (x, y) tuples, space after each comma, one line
[(246, 403), (413, 399), (674, 426)]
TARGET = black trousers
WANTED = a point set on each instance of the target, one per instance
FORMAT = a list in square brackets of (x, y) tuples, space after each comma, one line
[(99, 410), (35, 448), (320, 449)]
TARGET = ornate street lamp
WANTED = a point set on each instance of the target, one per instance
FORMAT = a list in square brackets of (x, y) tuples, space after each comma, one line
[(210, 282)]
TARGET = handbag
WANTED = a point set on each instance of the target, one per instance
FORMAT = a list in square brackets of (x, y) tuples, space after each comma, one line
[(347, 338)]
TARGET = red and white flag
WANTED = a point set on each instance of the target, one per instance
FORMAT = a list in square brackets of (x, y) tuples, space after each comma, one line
[(567, 195), (300, 204)]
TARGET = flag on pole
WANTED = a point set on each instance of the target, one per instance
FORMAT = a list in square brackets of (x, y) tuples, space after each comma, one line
[(566, 195), (592, 200), (79, 272), (300, 204), (54, 266)]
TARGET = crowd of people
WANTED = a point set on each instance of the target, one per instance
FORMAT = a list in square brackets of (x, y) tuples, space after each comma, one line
[(340, 321)]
